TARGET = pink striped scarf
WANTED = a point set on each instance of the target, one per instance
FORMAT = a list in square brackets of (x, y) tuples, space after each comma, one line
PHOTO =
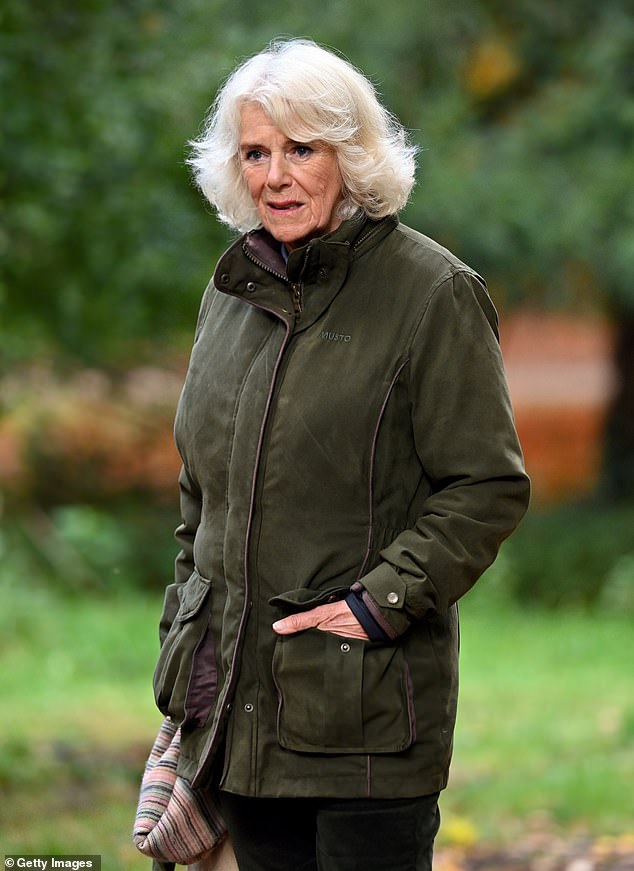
[(174, 823)]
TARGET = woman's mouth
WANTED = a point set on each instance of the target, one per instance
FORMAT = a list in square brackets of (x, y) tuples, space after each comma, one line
[(285, 206)]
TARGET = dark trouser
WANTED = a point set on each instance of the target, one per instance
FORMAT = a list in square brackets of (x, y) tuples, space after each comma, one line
[(286, 834)]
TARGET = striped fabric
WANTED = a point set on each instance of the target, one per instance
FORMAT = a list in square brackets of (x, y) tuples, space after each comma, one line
[(173, 822)]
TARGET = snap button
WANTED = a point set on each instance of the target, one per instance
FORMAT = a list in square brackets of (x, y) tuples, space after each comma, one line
[(251, 286), (248, 707), (224, 278), (345, 647), (322, 273), (392, 598)]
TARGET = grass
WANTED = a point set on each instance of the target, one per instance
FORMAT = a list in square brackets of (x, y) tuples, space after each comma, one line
[(75, 677), (546, 721)]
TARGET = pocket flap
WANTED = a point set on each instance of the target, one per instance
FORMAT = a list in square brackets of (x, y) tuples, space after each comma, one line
[(303, 599), (192, 595)]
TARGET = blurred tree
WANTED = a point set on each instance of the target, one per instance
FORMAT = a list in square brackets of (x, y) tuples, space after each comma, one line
[(104, 238), (525, 112), (528, 174)]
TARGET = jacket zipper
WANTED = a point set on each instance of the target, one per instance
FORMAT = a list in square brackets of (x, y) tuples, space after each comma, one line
[(295, 287), (297, 299)]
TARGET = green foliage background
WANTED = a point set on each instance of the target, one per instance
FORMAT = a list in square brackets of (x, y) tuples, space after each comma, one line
[(525, 112)]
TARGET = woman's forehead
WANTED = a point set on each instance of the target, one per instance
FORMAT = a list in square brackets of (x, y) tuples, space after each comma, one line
[(285, 123)]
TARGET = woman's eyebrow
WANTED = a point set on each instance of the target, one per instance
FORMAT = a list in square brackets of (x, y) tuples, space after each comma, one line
[(256, 146)]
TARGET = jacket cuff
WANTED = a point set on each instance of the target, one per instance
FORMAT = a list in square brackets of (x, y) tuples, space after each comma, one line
[(364, 615), (383, 592)]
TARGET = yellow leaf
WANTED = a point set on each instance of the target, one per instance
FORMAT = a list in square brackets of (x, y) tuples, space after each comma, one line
[(460, 832), (492, 67)]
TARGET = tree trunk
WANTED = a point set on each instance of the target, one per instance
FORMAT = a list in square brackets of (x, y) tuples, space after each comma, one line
[(617, 482)]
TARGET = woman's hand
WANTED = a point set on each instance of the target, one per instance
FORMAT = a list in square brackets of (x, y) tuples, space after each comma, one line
[(335, 617)]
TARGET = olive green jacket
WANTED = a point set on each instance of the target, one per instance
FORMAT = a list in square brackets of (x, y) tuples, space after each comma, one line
[(345, 421)]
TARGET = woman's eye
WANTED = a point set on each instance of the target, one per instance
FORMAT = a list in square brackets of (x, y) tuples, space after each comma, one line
[(303, 150), (254, 155)]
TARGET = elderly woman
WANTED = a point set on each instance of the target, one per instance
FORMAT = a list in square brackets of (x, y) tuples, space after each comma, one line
[(350, 468)]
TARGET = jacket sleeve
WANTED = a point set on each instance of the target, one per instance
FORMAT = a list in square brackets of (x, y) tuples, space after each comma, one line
[(465, 438), (190, 502)]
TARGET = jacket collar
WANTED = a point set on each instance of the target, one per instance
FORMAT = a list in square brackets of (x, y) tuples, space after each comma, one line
[(344, 242), (253, 268)]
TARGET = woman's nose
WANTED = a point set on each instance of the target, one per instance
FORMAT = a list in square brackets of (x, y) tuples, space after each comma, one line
[(278, 171)]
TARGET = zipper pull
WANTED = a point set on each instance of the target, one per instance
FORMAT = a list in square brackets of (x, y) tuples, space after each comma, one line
[(297, 299)]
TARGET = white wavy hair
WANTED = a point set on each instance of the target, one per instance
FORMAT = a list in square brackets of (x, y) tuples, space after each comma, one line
[(310, 94)]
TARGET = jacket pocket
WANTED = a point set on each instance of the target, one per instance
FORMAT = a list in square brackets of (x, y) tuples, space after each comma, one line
[(341, 695), (185, 677)]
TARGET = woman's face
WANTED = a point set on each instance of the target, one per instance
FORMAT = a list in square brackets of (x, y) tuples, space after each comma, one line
[(295, 186)]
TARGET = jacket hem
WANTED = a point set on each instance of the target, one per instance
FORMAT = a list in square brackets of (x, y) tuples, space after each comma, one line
[(341, 787)]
